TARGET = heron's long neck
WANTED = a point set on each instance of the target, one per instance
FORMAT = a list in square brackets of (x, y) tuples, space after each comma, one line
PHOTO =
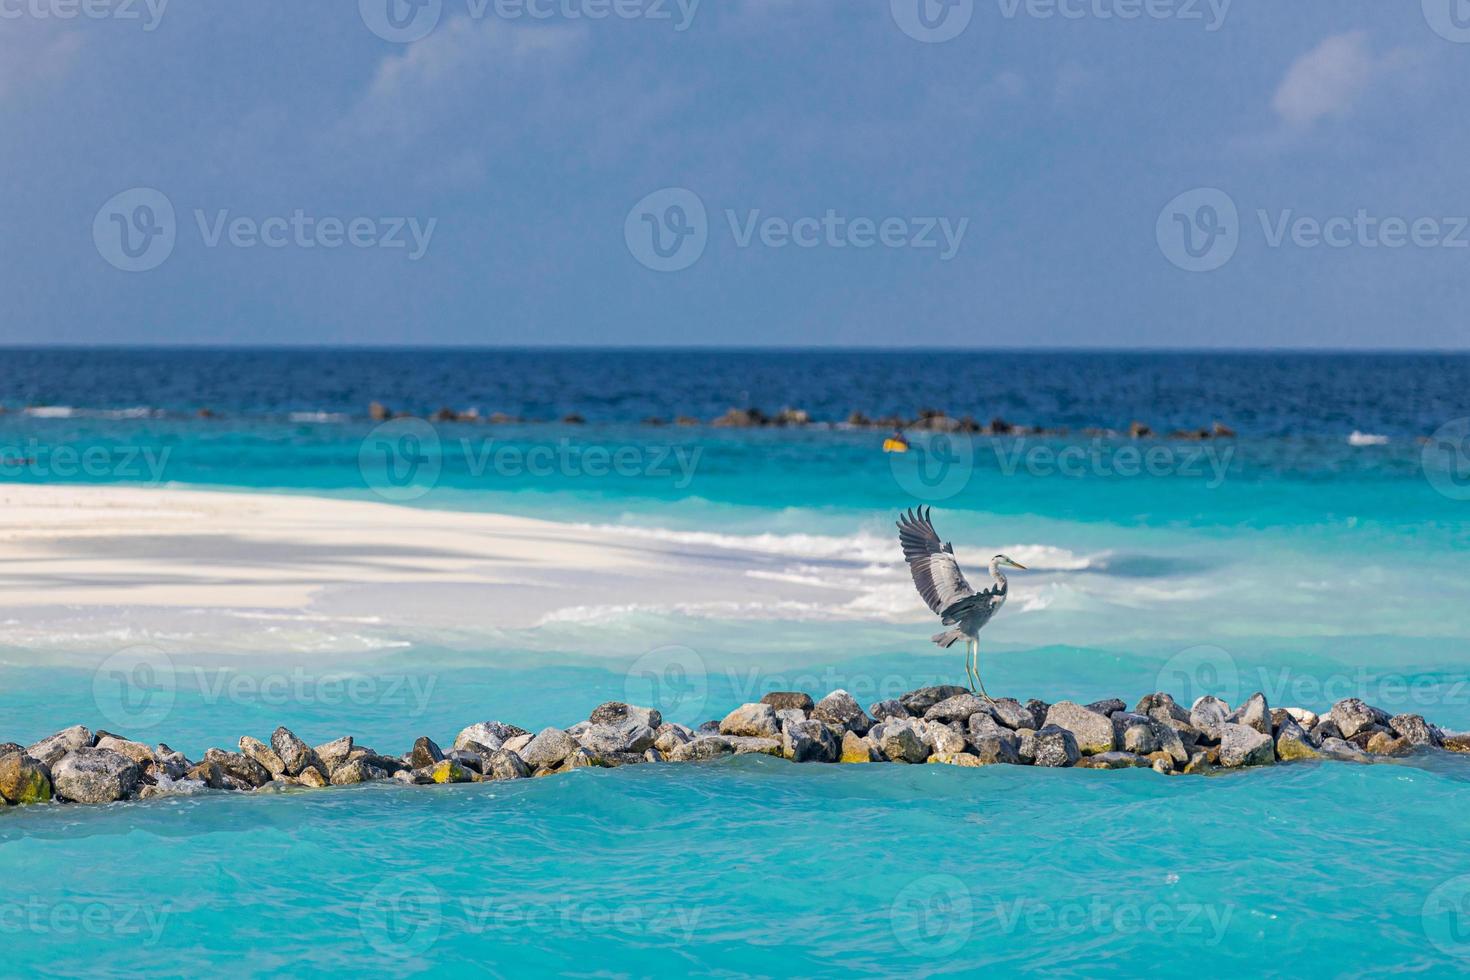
[(997, 574)]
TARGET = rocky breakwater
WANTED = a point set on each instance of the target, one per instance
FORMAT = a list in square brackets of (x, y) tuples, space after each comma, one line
[(946, 725)]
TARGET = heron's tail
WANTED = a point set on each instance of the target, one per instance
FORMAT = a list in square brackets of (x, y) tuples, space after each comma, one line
[(948, 638)]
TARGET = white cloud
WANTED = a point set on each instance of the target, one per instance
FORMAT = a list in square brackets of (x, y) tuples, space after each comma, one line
[(413, 92), (1329, 79)]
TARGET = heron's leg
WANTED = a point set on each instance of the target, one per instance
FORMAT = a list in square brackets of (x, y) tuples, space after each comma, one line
[(977, 672), (969, 659)]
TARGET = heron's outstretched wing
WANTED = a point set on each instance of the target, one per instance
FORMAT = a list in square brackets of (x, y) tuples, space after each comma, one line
[(937, 575)]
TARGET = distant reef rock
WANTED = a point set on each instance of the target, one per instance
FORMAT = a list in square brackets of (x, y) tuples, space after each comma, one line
[(944, 725)]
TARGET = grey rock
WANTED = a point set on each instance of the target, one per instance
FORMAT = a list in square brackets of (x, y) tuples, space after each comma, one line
[(958, 708), (505, 764), (240, 766), (1170, 741), (1325, 729), (840, 712), (354, 771), (88, 775), (1108, 706), (50, 749), (1307, 719), (789, 700), (606, 740), (297, 755), (1352, 716), (425, 754), (137, 751), (518, 743), (1161, 706), (1208, 712), (942, 739), (491, 734), (1336, 748), (702, 748), (1055, 747), (809, 741), (671, 735), (1293, 742), (920, 701), (1137, 733), (263, 754), (752, 745), (1092, 730), (708, 728), (1026, 745), (335, 752), (1010, 713), (1254, 713), (995, 749), (618, 713), (754, 720), (791, 715), (464, 758), (883, 710), (1416, 730), (1241, 745), (1114, 760), (550, 747), (901, 742), (1038, 709), (212, 776), (415, 777)]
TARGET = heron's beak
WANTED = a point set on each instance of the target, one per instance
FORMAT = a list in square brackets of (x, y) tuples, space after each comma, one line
[(1016, 564)]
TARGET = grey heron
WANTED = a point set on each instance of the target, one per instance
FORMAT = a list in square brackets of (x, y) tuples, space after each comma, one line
[(942, 585)]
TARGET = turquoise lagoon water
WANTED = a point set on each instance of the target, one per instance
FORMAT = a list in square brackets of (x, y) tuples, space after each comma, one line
[(1307, 566)]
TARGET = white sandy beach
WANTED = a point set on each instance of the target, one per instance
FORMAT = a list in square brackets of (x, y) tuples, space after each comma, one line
[(221, 568)]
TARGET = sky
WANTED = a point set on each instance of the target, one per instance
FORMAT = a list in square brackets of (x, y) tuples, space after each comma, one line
[(931, 173)]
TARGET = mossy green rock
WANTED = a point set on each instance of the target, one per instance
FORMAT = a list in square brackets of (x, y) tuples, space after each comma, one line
[(23, 779), (449, 771)]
